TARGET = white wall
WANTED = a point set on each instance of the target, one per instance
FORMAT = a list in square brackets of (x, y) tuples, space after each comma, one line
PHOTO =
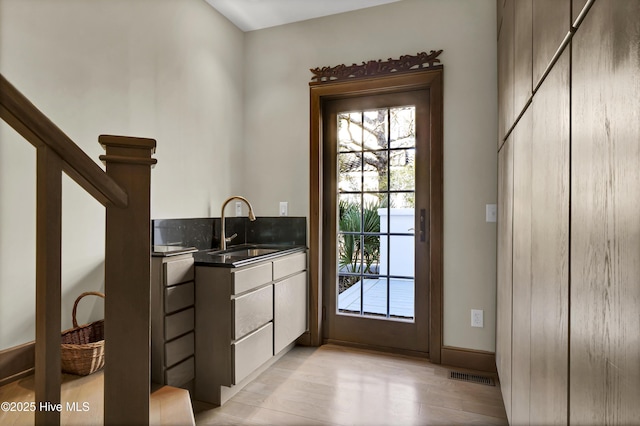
[(173, 70), (164, 69), (277, 62)]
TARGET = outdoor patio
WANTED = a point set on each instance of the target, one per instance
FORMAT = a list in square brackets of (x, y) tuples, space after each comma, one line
[(375, 298)]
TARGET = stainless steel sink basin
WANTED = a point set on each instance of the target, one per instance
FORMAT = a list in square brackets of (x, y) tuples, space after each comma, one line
[(246, 253), (250, 252)]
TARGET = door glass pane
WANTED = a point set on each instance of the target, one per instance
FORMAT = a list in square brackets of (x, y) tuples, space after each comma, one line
[(350, 172), (402, 168), (401, 260), (349, 213), (402, 127), (375, 129), (374, 296), (401, 295), (349, 131), (376, 202), (375, 170)]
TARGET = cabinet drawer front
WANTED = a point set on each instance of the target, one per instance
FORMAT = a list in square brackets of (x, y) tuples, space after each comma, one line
[(251, 352), (290, 313), (179, 349), (252, 277), (177, 324), (251, 311), (178, 297), (289, 265), (180, 374), (178, 271)]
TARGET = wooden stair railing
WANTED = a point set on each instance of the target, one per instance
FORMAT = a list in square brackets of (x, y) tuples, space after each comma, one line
[(125, 192)]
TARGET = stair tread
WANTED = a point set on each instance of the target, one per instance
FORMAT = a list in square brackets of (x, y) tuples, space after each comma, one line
[(168, 405)]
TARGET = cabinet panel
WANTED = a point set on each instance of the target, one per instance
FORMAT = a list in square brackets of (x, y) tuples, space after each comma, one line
[(178, 271), (550, 246), (605, 217), (178, 297), (505, 71), (289, 265), (551, 23), (251, 311), (179, 349), (504, 286), (290, 312), (178, 323), (251, 277), (181, 373), (523, 72), (521, 335), (251, 352), (576, 9)]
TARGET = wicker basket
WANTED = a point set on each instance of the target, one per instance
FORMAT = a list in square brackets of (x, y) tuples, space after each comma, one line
[(82, 350)]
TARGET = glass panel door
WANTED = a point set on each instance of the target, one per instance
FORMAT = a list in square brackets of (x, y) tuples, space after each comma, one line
[(376, 211), (375, 179)]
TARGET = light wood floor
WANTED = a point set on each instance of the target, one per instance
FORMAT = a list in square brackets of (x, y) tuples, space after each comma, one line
[(334, 385), (168, 406)]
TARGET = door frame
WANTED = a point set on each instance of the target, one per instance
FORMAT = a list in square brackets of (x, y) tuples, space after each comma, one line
[(430, 79)]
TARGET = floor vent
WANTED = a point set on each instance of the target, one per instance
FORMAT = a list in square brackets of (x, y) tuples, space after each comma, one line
[(474, 378)]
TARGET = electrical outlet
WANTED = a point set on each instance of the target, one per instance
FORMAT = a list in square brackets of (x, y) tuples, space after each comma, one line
[(284, 208), (477, 318), (238, 208)]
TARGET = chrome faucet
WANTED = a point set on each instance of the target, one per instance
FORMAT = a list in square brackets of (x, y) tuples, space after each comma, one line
[(223, 239)]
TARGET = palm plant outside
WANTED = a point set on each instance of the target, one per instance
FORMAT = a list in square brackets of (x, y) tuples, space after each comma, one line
[(358, 255)]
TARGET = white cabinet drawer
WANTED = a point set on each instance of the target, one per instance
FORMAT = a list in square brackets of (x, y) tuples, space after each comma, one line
[(178, 271), (178, 297), (251, 352), (251, 277), (179, 323), (290, 312), (251, 310), (289, 265)]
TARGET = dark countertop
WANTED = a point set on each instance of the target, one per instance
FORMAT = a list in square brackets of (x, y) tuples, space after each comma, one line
[(238, 256), (163, 251)]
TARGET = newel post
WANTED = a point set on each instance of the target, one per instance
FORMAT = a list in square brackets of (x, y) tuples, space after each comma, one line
[(127, 282)]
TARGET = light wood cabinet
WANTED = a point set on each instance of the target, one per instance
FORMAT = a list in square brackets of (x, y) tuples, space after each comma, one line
[(173, 320), (245, 317), (569, 248)]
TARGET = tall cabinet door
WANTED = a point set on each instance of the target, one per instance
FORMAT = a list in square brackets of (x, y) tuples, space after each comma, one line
[(504, 312), (605, 217), (522, 211), (550, 246)]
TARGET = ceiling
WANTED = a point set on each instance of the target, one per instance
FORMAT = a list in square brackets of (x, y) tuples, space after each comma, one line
[(249, 15)]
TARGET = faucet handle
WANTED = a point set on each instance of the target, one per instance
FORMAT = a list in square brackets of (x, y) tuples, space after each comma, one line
[(231, 237)]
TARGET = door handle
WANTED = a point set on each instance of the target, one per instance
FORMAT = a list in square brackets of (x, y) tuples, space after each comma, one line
[(422, 224)]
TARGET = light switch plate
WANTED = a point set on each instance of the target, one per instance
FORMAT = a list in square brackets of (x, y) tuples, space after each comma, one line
[(238, 208), (284, 208), (491, 213)]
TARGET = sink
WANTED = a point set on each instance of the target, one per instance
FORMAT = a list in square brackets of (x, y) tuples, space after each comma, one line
[(243, 254), (250, 252)]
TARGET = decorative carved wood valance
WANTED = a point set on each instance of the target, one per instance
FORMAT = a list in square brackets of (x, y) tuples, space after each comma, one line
[(405, 63)]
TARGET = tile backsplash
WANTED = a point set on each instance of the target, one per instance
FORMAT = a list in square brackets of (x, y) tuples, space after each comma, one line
[(204, 233)]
